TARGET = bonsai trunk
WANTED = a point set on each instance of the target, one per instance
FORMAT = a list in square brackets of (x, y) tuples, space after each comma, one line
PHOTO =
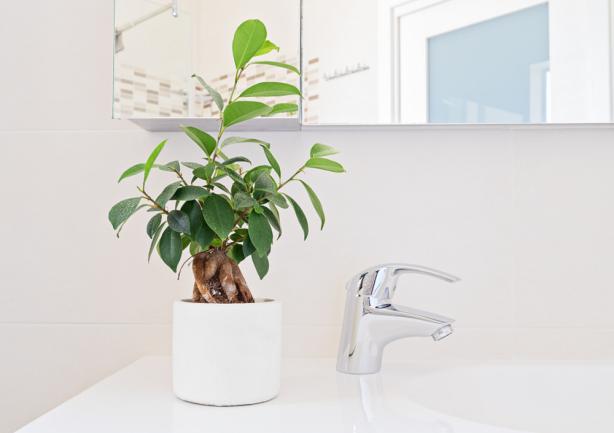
[(218, 279)]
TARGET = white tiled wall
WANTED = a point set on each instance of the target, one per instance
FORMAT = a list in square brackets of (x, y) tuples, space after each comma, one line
[(524, 216)]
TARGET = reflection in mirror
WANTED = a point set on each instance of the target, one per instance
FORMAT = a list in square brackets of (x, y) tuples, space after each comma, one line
[(457, 61), (159, 44)]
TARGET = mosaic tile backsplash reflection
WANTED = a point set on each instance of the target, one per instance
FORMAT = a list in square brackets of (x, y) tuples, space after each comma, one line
[(140, 93)]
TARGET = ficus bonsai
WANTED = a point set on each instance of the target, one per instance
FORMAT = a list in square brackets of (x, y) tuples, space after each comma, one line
[(225, 210)]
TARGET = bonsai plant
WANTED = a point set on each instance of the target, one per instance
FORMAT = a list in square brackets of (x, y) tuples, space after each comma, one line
[(223, 209)]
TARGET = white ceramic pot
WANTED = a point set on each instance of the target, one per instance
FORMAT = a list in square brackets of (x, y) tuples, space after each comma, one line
[(226, 354)]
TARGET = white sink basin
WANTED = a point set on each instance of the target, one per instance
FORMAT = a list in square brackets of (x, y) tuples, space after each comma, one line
[(560, 397), (408, 398)]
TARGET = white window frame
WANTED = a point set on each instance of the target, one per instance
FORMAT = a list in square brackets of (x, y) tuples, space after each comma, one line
[(396, 90)]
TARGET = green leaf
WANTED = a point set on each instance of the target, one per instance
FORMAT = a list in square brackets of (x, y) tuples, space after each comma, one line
[(265, 183), (205, 141), (123, 210), (249, 37), (284, 107), (215, 95), (233, 140), (272, 160), (192, 208), (172, 166), (315, 201), (276, 213), (153, 224), (270, 88), (325, 164), (236, 177), (192, 165), (134, 170), (266, 48), (222, 187), (219, 216), (151, 160), (253, 173), (273, 218), (167, 193), (248, 248), (204, 236), (241, 111), (261, 263), (194, 212), (318, 150), (190, 192), (300, 216), (178, 221), (278, 199), (236, 253), (121, 227), (195, 248), (200, 231), (243, 200), (237, 187), (205, 172), (279, 65), (260, 232), (154, 241), (171, 248), (236, 159)]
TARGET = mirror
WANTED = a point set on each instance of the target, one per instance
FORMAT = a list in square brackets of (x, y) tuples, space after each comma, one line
[(159, 44), (457, 61)]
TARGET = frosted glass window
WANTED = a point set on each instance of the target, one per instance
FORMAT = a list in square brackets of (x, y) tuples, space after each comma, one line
[(496, 71)]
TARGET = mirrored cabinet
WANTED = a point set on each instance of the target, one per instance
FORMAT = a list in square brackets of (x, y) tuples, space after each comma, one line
[(160, 44), (376, 62)]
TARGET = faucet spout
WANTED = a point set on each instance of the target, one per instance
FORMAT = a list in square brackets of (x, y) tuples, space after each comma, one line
[(442, 332), (413, 322)]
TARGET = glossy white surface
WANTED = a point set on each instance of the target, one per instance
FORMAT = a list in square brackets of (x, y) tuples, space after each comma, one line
[(415, 398), (172, 124)]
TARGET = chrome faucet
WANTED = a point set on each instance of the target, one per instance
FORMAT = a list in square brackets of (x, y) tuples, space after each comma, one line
[(372, 321)]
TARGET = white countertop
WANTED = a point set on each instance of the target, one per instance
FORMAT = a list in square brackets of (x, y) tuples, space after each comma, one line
[(314, 398)]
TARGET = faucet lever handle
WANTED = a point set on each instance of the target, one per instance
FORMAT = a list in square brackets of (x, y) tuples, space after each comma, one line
[(379, 282), (402, 268)]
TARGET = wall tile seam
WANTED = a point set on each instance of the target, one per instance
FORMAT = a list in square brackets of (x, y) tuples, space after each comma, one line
[(85, 130), (513, 143), (591, 328), (20, 323)]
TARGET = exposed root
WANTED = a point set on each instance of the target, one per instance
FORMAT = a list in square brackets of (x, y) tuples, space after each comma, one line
[(244, 291), (218, 279)]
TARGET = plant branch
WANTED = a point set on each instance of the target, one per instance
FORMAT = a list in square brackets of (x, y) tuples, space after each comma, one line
[(234, 87), (240, 218), (150, 199), (185, 263), (222, 128), (181, 177), (291, 178)]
